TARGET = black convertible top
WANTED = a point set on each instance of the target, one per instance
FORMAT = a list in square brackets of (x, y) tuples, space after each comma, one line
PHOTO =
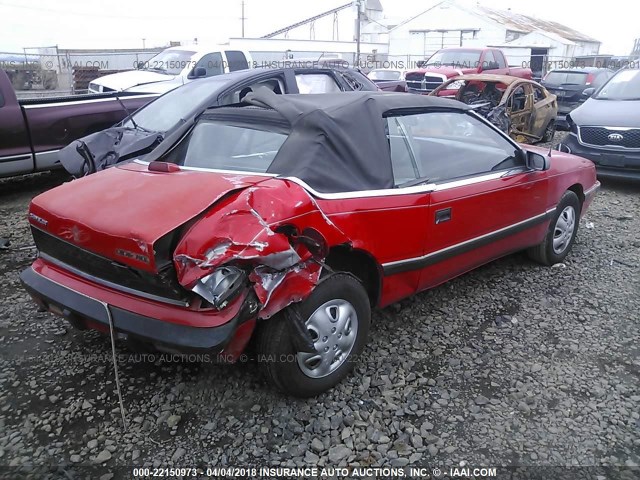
[(337, 142)]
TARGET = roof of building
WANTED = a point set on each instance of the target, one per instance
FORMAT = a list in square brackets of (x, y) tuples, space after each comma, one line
[(525, 24), (514, 21)]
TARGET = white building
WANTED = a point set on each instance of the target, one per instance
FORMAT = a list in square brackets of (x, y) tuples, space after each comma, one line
[(525, 40)]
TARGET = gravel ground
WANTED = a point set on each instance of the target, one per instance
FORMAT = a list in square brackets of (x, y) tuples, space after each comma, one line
[(512, 364)]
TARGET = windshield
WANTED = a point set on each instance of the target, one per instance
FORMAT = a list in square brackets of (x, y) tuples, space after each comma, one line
[(385, 75), (625, 85), (221, 146), (455, 58), (169, 62), (566, 78), (167, 111)]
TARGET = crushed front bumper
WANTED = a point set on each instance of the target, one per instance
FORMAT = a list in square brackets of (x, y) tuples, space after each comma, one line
[(84, 310), (610, 163)]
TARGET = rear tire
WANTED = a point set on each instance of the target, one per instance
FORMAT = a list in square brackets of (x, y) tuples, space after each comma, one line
[(562, 231), (337, 315)]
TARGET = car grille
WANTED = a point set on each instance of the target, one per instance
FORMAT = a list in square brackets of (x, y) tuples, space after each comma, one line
[(163, 284), (425, 83), (600, 136)]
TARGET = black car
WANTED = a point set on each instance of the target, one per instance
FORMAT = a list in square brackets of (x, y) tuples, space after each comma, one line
[(569, 85), (141, 132), (606, 128)]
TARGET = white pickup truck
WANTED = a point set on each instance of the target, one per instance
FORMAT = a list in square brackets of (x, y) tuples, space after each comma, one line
[(172, 68)]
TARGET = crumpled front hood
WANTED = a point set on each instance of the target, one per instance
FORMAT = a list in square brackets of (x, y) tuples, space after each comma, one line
[(608, 113), (124, 80), (121, 212)]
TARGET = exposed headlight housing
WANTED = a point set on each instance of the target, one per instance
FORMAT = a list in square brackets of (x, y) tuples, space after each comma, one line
[(221, 286)]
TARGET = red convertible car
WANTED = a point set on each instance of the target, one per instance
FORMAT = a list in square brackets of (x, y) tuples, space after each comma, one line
[(289, 217)]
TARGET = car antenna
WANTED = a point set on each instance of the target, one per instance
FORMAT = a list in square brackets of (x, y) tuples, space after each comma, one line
[(127, 112)]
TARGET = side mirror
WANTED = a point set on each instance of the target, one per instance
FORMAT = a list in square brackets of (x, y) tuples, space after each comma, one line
[(199, 72), (587, 92), (537, 162)]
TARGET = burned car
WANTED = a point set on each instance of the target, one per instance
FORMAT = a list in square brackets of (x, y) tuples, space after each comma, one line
[(289, 217), (522, 108)]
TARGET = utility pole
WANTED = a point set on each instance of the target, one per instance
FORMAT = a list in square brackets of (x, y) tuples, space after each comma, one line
[(360, 6), (144, 43), (243, 18)]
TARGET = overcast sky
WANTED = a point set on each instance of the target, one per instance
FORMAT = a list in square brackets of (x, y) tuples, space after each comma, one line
[(120, 24)]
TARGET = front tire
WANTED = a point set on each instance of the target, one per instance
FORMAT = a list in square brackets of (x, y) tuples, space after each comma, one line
[(562, 232), (337, 315)]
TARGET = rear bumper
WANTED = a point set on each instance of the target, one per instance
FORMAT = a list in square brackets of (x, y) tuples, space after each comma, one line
[(86, 311), (609, 163)]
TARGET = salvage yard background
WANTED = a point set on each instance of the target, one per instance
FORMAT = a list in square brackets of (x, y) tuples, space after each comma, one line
[(513, 363)]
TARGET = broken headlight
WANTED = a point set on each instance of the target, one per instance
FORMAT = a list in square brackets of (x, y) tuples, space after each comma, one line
[(221, 286)]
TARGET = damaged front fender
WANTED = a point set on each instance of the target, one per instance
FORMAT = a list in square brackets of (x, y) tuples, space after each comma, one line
[(274, 231)]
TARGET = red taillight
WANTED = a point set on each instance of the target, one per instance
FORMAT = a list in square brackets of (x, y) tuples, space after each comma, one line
[(589, 79)]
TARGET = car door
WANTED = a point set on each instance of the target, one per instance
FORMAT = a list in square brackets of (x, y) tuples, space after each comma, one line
[(15, 148), (484, 203), (519, 108), (544, 110)]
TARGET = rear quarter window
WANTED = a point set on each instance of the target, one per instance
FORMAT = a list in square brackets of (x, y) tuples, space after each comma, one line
[(218, 146), (236, 60)]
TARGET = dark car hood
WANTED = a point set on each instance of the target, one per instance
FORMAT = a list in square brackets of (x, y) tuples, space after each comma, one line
[(608, 113), (106, 148)]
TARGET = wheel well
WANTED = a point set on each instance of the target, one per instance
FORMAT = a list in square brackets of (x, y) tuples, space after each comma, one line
[(577, 189), (359, 263)]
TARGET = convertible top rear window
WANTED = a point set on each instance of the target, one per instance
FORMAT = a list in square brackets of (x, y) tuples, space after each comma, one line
[(221, 146)]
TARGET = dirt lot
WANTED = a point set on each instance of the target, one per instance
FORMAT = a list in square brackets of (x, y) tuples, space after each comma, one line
[(513, 364)]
